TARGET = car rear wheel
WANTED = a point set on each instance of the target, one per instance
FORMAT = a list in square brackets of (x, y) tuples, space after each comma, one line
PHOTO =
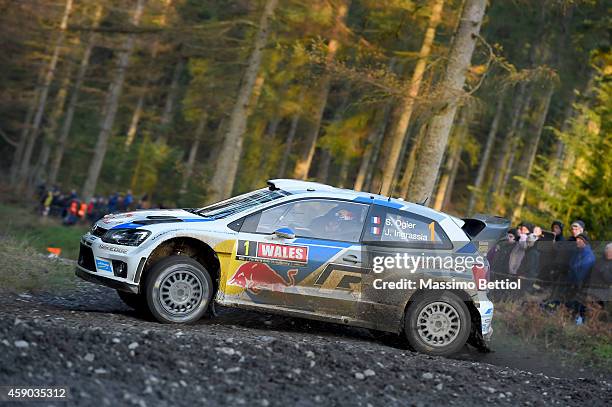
[(178, 290), (437, 324), (135, 301)]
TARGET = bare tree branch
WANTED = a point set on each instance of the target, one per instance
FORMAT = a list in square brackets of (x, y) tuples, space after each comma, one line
[(8, 139)]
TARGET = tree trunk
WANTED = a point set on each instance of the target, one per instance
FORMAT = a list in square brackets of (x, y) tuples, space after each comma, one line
[(44, 93), (486, 154), (533, 149), (407, 104), (302, 167), (110, 109), (368, 150), (451, 182), (326, 156), (25, 131), (509, 169), (569, 109), (267, 160), (74, 99), (555, 168), (193, 152), (434, 144), (26, 127), (447, 178), (133, 129), (324, 164), (411, 162), (168, 111), (378, 145), (373, 141), (344, 171), (282, 169), (508, 142), (222, 184), (51, 129), (137, 115)]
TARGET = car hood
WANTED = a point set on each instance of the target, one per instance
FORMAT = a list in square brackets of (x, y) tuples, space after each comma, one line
[(148, 217)]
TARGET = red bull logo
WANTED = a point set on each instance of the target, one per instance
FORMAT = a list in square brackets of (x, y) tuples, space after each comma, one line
[(254, 276)]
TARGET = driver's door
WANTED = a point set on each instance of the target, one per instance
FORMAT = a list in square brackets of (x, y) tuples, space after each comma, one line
[(280, 270)]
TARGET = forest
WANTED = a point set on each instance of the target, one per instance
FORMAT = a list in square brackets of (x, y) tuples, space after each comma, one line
[(500, 107)]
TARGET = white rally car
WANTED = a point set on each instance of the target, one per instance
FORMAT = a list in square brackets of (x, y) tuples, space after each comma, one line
[(302, 249)]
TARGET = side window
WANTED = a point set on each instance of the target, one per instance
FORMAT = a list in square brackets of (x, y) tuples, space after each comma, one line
[(403, 228), (312, 218)]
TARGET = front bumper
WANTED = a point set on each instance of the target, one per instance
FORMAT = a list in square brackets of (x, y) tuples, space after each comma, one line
[(98, 279), (118, 267)]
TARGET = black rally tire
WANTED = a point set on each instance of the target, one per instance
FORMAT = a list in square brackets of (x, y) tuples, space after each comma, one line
[(135, 301), (160, 272), (432, 299)]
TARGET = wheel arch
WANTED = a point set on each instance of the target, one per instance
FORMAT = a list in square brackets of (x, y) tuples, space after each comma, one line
[(192, 247)]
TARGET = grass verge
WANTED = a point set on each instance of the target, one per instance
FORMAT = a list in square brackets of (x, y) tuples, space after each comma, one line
[(557, 331), (23, 268), (22, 224)]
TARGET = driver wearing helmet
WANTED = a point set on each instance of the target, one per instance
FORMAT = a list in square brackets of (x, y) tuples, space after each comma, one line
[(340, 222)]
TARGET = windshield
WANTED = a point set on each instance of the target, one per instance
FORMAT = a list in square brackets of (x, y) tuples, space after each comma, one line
[(240, 203)]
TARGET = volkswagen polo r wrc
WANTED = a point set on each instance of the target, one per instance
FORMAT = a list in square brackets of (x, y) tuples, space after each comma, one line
[(307, 250)]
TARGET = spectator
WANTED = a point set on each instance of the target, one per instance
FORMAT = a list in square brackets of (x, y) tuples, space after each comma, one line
[(120, 205), (582, 261), (72, 213), (144, 202), (113, 200), (513, 235), (128, 200), (91, 210), (600, 282), (557, 228), (47, 203), (580, 266), (525, 228), (577, 228), (516, 259), (498, 254), (537, 231), (529, 266)]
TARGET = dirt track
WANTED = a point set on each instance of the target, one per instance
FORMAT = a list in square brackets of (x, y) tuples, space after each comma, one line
[(109, 355)]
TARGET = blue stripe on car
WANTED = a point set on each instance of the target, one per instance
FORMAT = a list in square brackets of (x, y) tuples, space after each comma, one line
[(381, 202), (127, 226), (319, 242), (133, 225)]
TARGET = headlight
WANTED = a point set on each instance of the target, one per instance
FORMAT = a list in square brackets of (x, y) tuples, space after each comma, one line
[(126, 237)]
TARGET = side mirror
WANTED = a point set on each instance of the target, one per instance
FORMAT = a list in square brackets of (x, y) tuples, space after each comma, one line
[(285, 233)]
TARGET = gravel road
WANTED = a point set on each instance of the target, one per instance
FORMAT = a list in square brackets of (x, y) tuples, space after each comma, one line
[(109, 355)]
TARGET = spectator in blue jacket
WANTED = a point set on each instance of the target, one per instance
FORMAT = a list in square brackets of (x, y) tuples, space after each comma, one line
[(581, 262), (580, 265)]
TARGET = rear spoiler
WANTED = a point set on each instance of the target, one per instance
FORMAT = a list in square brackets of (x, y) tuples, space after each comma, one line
[(485, 229)]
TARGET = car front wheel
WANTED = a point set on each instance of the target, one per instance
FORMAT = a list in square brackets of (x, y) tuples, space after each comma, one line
[(178, 290), (437, 324)]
